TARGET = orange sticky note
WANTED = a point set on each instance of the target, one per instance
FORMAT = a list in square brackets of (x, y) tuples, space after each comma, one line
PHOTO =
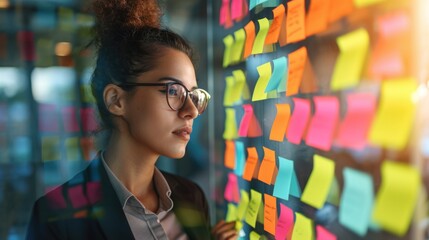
[(276, 24), (255, 129), (270, 214), (283, 32), (278, 129), (268, 166), (317, 17), (339, 9), (295, 25), (250, 38), (229, 157), (297, 61), (251, 163)]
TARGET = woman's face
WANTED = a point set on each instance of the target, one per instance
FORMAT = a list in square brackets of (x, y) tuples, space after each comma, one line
[(152, 124)]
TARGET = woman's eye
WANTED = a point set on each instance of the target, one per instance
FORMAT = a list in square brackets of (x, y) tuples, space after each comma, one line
[(172, 92)]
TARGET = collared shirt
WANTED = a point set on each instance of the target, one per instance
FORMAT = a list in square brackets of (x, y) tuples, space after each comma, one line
[(144, 223)]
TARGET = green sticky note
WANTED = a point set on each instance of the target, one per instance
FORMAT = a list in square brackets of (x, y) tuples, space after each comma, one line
[(231, 214), (303, 228), (227, 41), (258, 45), (259, 93), (242, 205), (51, 148), (230, 132), (254, 236), (72, 149), (240, 85), (238, 46), (228, 97), (253, 209)]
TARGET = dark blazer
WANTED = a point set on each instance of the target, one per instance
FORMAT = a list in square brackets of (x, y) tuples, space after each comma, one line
[(87, 207)]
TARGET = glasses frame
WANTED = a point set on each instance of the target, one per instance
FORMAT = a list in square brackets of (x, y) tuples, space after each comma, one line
[(167, 85)]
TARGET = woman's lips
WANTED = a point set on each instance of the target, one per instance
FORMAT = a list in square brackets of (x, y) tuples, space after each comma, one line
[(184, 133)]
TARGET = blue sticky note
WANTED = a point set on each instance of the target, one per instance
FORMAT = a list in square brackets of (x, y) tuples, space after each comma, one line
[(239, 158), (357, 201), (270, 3), (252, 4), (279, 71), (295, 189), (284, 178), (283, 81)]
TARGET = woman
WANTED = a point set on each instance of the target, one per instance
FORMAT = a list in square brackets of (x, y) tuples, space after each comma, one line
[(147, 96)]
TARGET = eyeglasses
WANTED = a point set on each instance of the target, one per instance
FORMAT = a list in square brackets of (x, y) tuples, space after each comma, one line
[(177, 94)]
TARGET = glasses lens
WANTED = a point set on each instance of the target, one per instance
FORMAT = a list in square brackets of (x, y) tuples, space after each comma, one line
[(176, 96), (200, 98)]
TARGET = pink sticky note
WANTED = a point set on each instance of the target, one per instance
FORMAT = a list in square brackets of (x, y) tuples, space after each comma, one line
[(323, 234), (354, 128), (231, 189), (93, 191), (284, 223), (89, 122), (322, 126), (56, 199), (298, 121), (26, 45), (77, 197), (225, 14), (245, 120), (69, 119), (48, 118), (237, 9)]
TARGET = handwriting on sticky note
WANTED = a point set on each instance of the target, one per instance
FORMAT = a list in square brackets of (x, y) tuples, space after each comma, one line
[(264, 72), (295, 23), (268, 166), (239, 158), (298, 121), (319, 183), (270, 214), (242, 205), (297, 61), (228, 42), (316, 20), (276, 24), (251, 163), (229, 157), (279, 72), (322, 124), (278, 129), (353, 130), (258, 45), (323, 234), (285, 223), (354, 48), (357, 201), (230, 131), (284, 179), (395, 100), (250, 38), (303, 228), (397, 196), (231, 189), (253, 209)]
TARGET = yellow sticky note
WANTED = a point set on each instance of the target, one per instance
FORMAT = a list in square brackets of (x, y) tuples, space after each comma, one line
[(259, 93), (231, 214), (228, 98), (240, 86), (258, 45), (303, 228), (253, 209), (350, 62), (51, 148), (393, 121), (230, 132), (228, 42), (254, 236), (319, 183), (365, 3), (238, 46), (242, 205), (72, 149), (396, 199)]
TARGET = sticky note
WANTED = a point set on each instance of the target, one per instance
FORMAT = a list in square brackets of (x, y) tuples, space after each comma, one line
[(240, 89), (276, 24), (316, 20), (238, 46), (89, 122), (365, 3), (93, 191), (322, 125), (284, 179), (88, 148), (268, 166), (357, 200), (258, 45), (295, 189), (26, 45), (56, 198), (69, 119), (254, 235), (334, 193), (264, 72), (229, 157), (228, 97), (278, 129), (51, 148), (48, 118), (66, 19), (245, 120), (242, 205), (285, 223), (310, 81), (228, 41), (77, 197), (350, 62), (323, 234), (394, 119), (231, 189), (278, 74), (225, 14), (297, 61), (320, 180), (339, 9), (270, 214), (231, 213), (298, 120), (250, 38), (230, 125), (295, 22), (254, 129), (397, 196), (239, 158), (303, 228), (260, 217), (237, 9), (252, 210), (72, 149), (251, 163), (353, 129)]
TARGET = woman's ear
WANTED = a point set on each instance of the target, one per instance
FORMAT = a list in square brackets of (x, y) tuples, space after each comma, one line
[(114, 99)]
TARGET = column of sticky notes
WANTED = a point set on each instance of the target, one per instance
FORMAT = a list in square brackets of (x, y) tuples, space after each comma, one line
[(341, 116)]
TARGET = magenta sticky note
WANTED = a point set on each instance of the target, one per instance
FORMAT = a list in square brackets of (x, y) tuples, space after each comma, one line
[(298, 121), (26, 45), (89, 122), (354, 128), (236, 9), (322, 125), (323, 234), (285, 223), (69, 119), (48, 118), (245, 120), (56, 199), (77, 197), (231, 189), (94, 192)]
